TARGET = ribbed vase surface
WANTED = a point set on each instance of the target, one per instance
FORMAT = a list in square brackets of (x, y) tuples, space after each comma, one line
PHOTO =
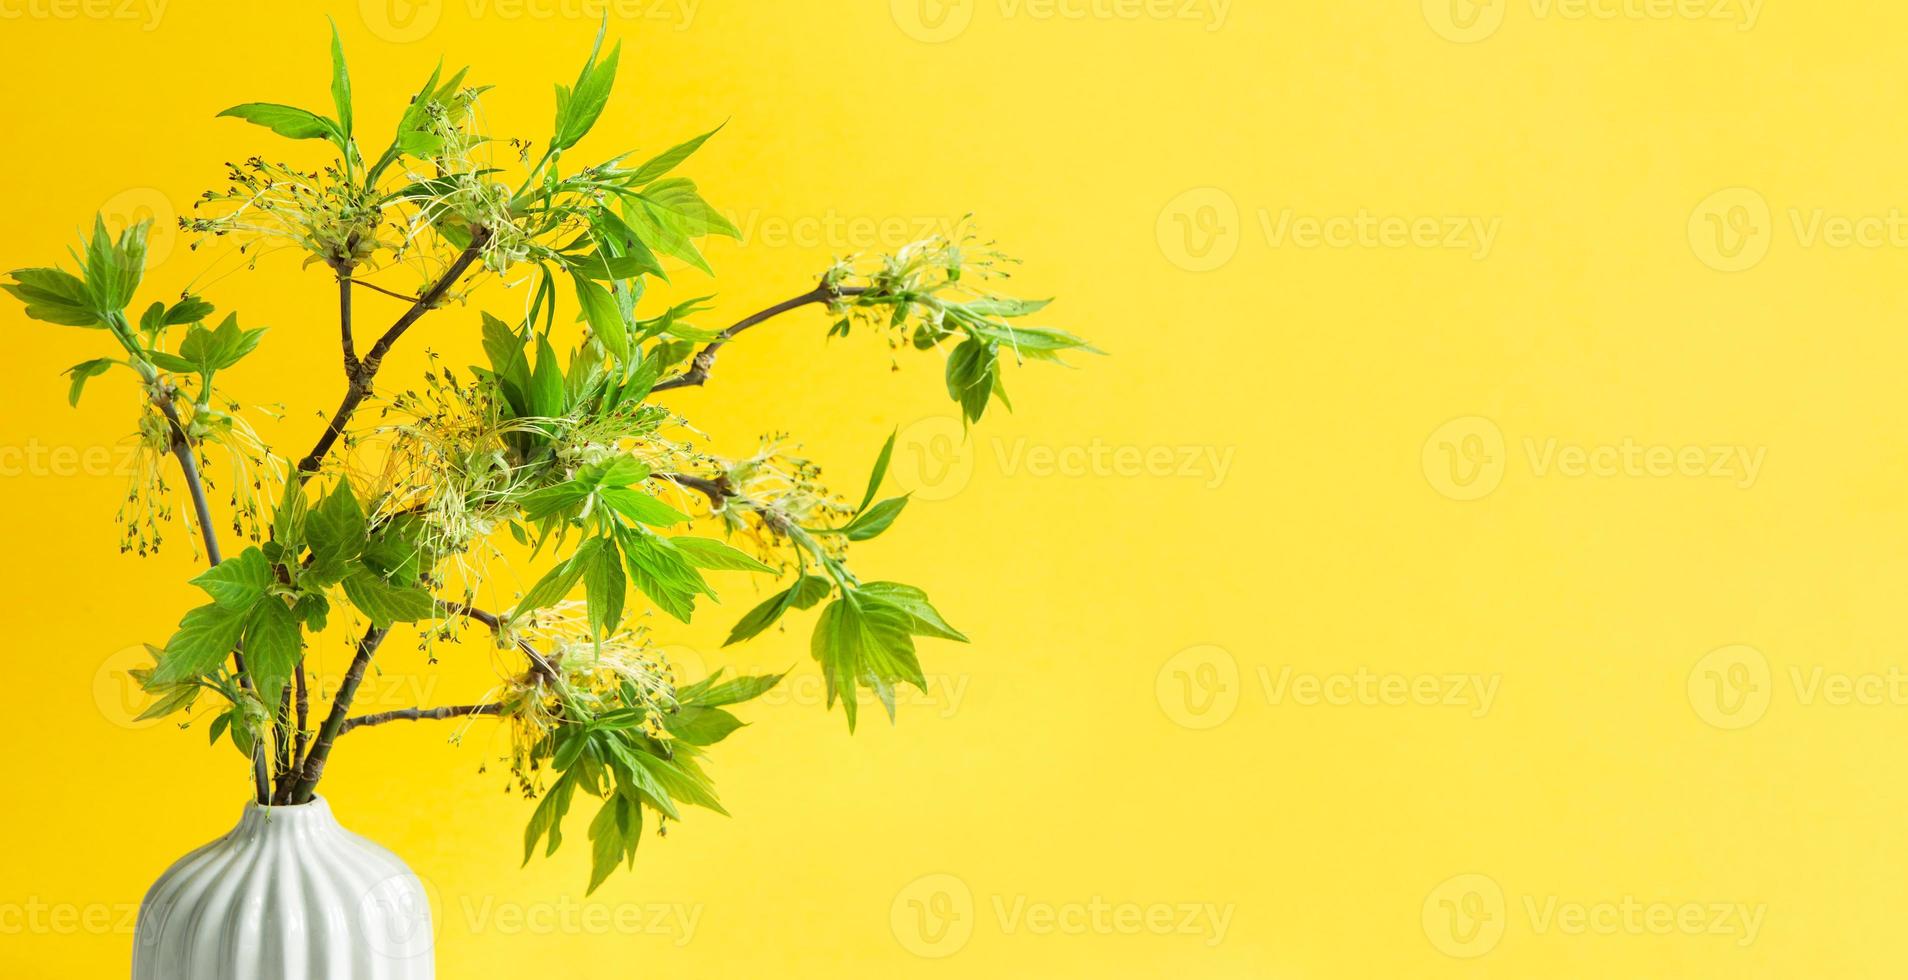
[(288, 894)]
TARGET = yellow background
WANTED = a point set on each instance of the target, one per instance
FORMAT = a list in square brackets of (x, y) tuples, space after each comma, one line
[(1117, 732)]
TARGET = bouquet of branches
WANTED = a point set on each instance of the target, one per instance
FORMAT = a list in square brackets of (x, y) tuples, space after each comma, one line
[(561, 441)]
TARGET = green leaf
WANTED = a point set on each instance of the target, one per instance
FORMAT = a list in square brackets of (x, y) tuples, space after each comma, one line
[(114, 266), (874, 520), (970, 376), (663, 574), (287, 121), (336, 529), (668, 159), (272, 647), (701, 725), (548, 817), (564, 499), (191, 309), (609, 839), (558, 582), (176, 698), (579, 106), (605, 586), (54, 296), (340, 83), (383, 602), (547, 397), (807, 590), (923, 619), (880, 472), (641, 507), (680, 783), (82, 372), (239, 581), (205, 635), (674, 205), (605, 319), (713, 554), (709, 694), (859, 642)]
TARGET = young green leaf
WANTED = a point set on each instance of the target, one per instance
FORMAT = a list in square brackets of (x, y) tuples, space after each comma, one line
[(239, 581), (53, 296), (340, 83), (880, 472), (84, 371), (712, 554), (272, 647), (874, 520), (605, 319), (287, 121)]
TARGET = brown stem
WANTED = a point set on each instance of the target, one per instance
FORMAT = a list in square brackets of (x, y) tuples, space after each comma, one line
[(420, 714), (367, 368), (374, 287), (718, 490), (700, 365), (302, 704), (181, 448), (344, 324), (314, 767), (539, 664)]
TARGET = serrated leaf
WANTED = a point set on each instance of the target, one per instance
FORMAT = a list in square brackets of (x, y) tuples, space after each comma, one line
[(239, 581), (924, 619), (641, 507), (605, 319), (700, 725), (272, 647), (383, 602), (880, 472), (340, 83), (83, 372), (709, 693), (605, 586), (54, 296), (871, 522), (205, 635), (286, 121), (713, 554), (859, 642)]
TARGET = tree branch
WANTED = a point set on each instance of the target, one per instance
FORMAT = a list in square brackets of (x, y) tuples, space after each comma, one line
[(700, 365), (344, 324), (539, 664), (420, 714), (367, 368), (314, 765), (181, 448), (717, 490)]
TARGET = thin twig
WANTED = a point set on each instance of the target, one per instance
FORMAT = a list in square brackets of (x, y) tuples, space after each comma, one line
[(420, 714), (374, 287), (314, 766), (367, 368), (539, 663), (700, 365)]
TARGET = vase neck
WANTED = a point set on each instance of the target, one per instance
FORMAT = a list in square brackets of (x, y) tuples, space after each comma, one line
[(304, 818)]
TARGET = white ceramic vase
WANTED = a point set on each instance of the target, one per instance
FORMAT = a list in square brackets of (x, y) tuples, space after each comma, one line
[(288, 894)]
